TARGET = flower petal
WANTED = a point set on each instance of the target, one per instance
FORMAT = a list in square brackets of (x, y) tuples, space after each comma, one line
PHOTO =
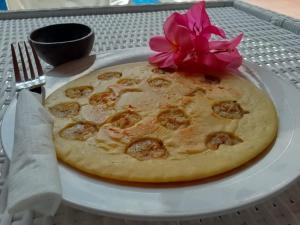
[(163, 60), (168, 62), (160, 44), (197, 15), (233, 59), (179, 57), (211, 29), (225, 45), (218, 45), (182, 38), (181, 19), (235, 41), (201, 44), (220, 61), (175, 32), (211, 61), (158, 58), (169, 25)]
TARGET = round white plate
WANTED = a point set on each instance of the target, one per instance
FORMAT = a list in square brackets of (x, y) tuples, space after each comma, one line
[(263, 178)]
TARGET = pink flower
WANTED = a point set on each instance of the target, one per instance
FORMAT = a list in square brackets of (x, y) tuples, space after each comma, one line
[(174, 47), (186, 44)]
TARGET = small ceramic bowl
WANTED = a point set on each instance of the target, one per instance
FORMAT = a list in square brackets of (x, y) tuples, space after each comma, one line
[(60, 43)]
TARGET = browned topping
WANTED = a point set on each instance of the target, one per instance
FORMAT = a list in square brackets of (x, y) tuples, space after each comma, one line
[(159, 82), (65, 109), (128, 81), (105, 99), (221, 138), (109, 75), (77, 92), (78, 131), (147, 148), (229, 109), (173, 119), (212, 79), (125, 119), (113, 132), (161, 71), (197, 90), (126, 90)]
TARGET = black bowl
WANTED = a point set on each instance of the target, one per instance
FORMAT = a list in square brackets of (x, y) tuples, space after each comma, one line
[(60, 43)]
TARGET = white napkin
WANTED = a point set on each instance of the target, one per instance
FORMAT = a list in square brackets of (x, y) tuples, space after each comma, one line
[(33, 180)]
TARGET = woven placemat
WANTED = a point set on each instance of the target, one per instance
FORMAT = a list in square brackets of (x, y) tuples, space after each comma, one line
[(270, 40)]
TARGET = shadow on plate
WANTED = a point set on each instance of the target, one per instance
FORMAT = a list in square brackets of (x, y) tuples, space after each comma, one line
[(73, 68)]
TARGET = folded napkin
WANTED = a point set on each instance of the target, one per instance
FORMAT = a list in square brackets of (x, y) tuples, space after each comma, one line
[(33, 180)]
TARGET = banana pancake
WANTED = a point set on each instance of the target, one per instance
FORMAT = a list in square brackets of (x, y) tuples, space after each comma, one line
[(135, 122)]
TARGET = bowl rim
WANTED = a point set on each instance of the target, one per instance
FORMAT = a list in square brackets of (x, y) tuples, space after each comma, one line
[(60, 42)]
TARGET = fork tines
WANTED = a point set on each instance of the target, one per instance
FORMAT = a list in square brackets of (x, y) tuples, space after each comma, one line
[(26, 75)]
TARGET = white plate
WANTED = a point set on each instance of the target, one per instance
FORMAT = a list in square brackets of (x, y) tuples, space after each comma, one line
[(263, 178)]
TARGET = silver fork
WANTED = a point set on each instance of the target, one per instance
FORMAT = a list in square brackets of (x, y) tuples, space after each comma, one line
[(27, 76)]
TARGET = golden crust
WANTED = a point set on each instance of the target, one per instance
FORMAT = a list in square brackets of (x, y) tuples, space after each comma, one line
[(156, 126)]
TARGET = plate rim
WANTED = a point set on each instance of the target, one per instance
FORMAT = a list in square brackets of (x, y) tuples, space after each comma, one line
[(166, 216)]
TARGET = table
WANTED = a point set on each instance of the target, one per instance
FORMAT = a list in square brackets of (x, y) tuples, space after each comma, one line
[(289, 7), (270, 39)]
